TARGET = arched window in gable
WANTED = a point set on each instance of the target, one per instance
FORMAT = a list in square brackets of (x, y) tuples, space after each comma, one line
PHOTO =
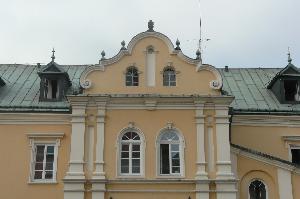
[(132, 76), (169, 76), (257, 190)]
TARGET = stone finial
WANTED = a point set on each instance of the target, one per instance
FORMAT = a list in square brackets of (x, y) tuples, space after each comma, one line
[(198, 54), (289, 56), (177, 45), (53, 56), (150, 26), (123, 45), (103, 55)]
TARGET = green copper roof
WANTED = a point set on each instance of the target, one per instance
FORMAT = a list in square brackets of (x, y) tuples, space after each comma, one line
[(21, 92), (248, 85)]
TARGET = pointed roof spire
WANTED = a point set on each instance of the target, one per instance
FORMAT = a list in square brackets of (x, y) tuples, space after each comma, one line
[(289, 56), (53, 56)]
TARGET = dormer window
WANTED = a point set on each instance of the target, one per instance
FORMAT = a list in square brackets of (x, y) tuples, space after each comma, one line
[(286, 85), (291, 90), (54, 82), (51, 89)]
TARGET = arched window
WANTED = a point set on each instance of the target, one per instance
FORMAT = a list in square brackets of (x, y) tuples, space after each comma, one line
[(170, 153), (130, 154), (257, 190), (169, 77), (132, 76)]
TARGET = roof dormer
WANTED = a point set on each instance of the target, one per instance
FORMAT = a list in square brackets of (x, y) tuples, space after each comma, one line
[(54, 81), (286, 84)]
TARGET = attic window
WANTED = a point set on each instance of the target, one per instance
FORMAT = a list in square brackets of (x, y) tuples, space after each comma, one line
[(291, 90), (51, 89)]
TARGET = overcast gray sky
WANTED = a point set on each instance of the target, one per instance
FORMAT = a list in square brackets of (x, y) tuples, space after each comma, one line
[(243, 33)]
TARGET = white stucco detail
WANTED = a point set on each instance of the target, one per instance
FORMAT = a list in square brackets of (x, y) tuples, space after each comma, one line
[(150, 66), (99, 162), (200, 126), (285, 184), (89, 149), (223, 145)]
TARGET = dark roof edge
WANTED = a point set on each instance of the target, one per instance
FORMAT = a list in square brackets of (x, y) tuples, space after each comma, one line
[(264, 155), (261, 112)]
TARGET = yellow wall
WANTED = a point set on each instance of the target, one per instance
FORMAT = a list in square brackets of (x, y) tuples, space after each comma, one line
[(15, 154), (265, 139), (116, 120), (188, 81), (249, 169)]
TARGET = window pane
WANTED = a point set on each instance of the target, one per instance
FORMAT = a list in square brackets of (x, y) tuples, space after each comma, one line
[(169, 136), (135, 147), (125, 155), (135, 169), (50, 149), (175, 155), (49, 158), (125, 162), (136, 155), (49, 166), (296, 156), (164, 159), (38, 175), (175, 162), (39, 157), (175, 169), (257, 190), (135, 162), (125, 147), (124, 169), (175, 147), (40, 149), (38, 166), (49, 175)]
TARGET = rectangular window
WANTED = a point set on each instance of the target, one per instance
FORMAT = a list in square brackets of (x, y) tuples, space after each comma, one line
[(295, 155), (43, 164), (169, 159), (130, 158)]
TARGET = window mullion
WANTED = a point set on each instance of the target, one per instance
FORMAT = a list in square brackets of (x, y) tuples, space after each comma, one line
[(130, 158), (44, 162), (170, 159)]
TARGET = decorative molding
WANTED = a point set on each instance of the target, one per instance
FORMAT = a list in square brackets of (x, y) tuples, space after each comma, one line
[(34, 118), (266, 120), (291, 138), (266, 160), (85, 83), (45, 135)]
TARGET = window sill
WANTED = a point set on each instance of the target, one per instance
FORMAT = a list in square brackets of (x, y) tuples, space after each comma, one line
[(170, 176), (131, 176), (42, 182)]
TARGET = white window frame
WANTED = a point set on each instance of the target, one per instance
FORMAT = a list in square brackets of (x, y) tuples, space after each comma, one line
[(292, 146), (131, 128), (266, 187), (47, 139), (181, 143), (168, 76)]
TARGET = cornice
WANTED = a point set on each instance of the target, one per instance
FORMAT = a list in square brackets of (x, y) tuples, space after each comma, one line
[(266, 120), (271, 161), (34, 118)]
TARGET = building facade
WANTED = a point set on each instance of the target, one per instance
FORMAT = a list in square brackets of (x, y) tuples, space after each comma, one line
[(149, 123)]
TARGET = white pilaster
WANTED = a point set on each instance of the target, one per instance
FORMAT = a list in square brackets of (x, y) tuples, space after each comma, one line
[(223, 145), (202, 190), (99, 162), (285, 184), (75, 178), (200, 126), (77, 142)]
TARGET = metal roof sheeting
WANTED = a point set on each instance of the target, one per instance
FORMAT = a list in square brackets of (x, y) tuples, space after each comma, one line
[(247, 85)]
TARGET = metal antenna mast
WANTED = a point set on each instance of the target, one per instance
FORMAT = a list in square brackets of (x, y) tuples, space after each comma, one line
[(200, 35)]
